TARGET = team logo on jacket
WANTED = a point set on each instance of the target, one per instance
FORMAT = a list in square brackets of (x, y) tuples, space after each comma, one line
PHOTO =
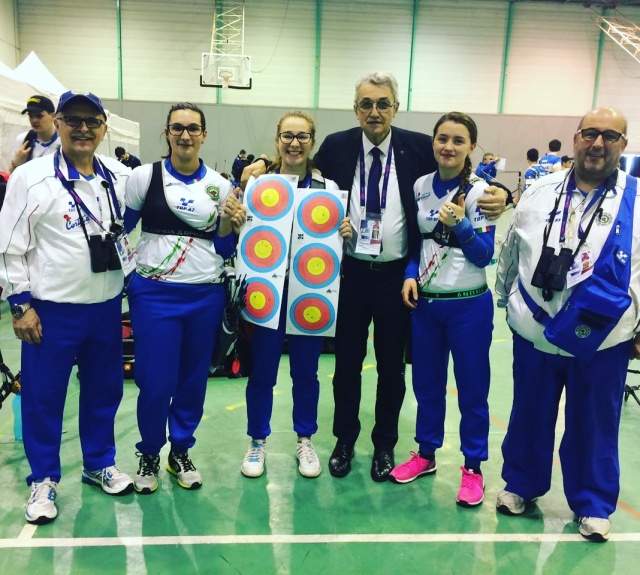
[(604, 219), (583, 331), (213, 192)]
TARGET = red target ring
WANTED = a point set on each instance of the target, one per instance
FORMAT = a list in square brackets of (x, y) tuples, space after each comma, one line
[(312, 314), (270, 198), (316, 266), (263, 249), (320, 214), (262, 300)]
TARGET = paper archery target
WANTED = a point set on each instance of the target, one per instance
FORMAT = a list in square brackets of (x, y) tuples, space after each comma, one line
[(270, 198), (263, 249), (316, 266), (312, 313), (320, 214), (262, 300)]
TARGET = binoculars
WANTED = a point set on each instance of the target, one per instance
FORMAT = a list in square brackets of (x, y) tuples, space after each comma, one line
[(104, 255), (551, 271)]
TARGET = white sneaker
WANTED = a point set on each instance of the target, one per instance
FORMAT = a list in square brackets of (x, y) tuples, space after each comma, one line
[(182, 467), (509, 503), (594, 528), (308, 462), (110, 479), (253, 464), (41, 507)]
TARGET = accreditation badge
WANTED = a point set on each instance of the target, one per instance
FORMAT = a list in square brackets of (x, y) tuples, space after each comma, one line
[(370, 236), (126, 252)]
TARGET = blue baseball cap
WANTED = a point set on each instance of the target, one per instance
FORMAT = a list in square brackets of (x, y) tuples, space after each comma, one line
[(79, 95)]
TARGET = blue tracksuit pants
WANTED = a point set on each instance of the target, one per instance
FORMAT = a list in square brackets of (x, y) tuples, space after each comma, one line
[(462, 328), (589, 447), (174, 329), (92, 334), (304, 353)]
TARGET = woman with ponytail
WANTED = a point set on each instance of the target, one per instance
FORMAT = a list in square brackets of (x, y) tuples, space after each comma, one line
[(445, 286)]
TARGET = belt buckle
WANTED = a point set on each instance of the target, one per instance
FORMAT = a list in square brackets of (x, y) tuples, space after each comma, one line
[(375, 266)]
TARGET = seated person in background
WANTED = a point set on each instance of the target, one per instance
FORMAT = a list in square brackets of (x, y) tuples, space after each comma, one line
[(126, 158)]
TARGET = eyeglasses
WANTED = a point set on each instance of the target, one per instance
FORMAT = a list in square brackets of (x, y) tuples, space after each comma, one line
[(178, 129), (288, 137), (381, 105), (77, 121), (609, 136)]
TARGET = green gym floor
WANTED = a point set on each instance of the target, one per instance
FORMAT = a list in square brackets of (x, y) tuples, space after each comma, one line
[(283, 523)]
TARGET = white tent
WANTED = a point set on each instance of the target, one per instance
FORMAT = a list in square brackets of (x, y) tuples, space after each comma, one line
[(32, 77)]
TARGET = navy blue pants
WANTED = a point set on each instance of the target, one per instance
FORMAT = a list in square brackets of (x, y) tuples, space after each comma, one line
[(92, 334), (304, 353), (589, 447), (174, 329), (462, 328)]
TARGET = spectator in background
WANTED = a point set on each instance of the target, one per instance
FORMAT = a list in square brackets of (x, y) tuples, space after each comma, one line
[(250, 158), (535, 170), (126, 158), (42, 139), (487, 168), (567, 162), (239, 164), (551, 160)]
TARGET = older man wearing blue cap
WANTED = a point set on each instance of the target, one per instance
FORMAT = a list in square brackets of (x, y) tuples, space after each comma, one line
[(61, 239)]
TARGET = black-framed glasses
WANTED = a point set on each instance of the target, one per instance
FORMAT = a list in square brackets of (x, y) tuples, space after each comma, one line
[(381, 105), (288, 137), (77, 121), (609, 136), (178, 129)]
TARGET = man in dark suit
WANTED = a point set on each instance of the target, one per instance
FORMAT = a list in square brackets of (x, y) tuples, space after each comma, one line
[(373, 271)]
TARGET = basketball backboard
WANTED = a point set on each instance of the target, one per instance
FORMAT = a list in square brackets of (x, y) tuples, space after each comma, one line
[(225, 71)]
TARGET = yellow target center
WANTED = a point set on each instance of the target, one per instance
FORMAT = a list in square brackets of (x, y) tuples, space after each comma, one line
[(316, 266), (320, 215), (263, 249), (312, 314), (270, 197), (257, 300)]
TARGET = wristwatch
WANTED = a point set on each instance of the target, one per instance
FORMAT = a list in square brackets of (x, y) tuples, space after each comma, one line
[(17, 311)]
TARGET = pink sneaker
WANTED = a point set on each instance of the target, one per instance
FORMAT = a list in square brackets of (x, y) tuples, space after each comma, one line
[(471, 489), (412, 469)]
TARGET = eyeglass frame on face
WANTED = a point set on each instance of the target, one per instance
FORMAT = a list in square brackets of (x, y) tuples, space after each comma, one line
[(192, 129), (288, 137), (75, 122), (607, 139), (363, 106)]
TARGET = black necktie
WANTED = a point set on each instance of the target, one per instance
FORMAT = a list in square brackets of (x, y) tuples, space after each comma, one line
[(373, 184)]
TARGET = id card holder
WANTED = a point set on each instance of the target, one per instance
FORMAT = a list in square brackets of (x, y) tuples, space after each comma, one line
[(370, 235), (581, 268), (126, 253)]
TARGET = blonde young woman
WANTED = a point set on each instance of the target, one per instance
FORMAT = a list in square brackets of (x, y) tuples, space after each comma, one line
[(295, 139)]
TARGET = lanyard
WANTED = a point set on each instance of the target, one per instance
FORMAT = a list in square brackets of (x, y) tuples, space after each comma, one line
[(105, 174), (599, 197), (385, 181)]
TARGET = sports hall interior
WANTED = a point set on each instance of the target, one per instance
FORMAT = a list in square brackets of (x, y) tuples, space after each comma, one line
[(526, 71)]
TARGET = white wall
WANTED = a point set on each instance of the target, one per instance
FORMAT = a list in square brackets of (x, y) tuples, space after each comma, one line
[(8, 33), (456, 63)]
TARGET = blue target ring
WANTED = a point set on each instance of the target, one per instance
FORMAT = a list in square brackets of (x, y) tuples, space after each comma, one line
[(312, 314), (316, 266), (320, 214), (263, 249), (262, 301)]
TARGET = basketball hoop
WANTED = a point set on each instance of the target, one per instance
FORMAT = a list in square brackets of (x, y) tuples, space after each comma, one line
[(225, 76)]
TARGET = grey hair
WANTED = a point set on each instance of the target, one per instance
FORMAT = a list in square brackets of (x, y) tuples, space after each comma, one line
[(379, 79)]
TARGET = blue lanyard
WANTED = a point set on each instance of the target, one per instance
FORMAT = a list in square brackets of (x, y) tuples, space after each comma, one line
[(385, 181), (103, 172), (570, 187)]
